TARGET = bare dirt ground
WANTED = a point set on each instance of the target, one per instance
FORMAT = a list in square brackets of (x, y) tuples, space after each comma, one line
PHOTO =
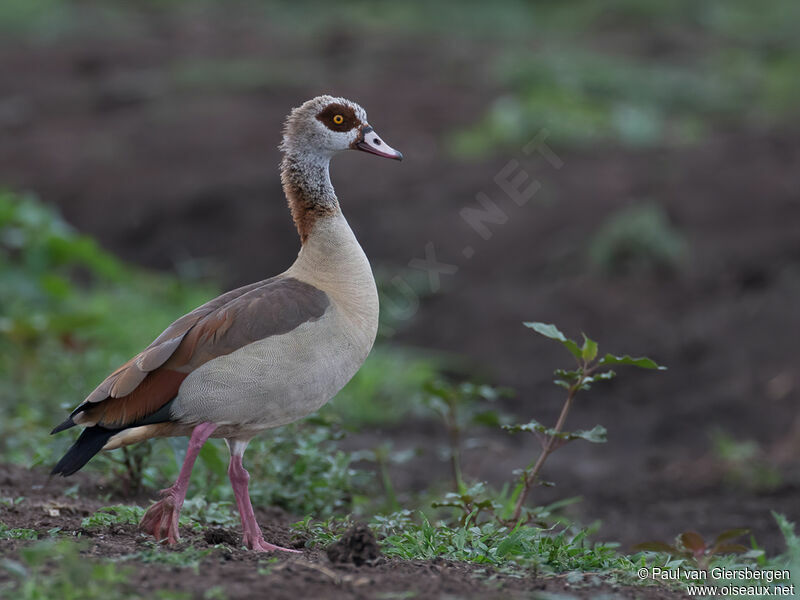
[(167, 173), (311, 574)]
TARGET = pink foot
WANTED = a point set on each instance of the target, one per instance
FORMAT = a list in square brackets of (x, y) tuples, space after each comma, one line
[(161, 519), (251, 532), (256, 542)]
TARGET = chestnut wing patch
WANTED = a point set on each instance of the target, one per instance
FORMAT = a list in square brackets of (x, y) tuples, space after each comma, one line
[(127, 377), (145, 384), (349, 119)]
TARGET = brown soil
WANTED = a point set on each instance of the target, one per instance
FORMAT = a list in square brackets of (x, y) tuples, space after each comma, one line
[(169, 176), (355, 570)]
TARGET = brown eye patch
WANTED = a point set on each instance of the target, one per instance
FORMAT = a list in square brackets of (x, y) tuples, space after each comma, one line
[(338, 117)]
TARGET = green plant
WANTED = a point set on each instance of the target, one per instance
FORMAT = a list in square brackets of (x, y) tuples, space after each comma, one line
[(692, 546), (154, 552), (10, 533), (197, 511), (320, 533), (458, 406), (581, 93), (57, 569), (200, 510), (119, 514), (494, 543), (744, 462), (638, 239), (415, 537), (732, 563), (383, 455), (589, 369), (60, 331), (9, 502), (301, 469)]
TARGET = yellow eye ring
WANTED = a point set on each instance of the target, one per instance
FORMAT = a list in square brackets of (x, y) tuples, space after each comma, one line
[(338, 119)]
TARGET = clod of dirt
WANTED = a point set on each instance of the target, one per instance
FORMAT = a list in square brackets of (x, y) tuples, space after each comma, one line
[(357, 546), (219, 535)]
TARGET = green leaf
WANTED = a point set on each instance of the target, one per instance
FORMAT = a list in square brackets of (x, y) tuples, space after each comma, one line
[(596, 435), (589, 349), (551, 331), (599, 377), (531, 426), (604, 376), (546, 329), (642, 362), (489, 418), (568, 375), (438, 388), (787, 529)]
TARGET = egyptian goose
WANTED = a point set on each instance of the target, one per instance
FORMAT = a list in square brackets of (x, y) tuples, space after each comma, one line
[(260, 356)]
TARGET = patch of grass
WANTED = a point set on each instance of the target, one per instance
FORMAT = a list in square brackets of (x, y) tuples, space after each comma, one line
[(9, 533), (8, 501), (737, 74), (119, 514), (402, 535), (301, 469), (58, 569), (189, 558), (201, 511), (196, 512), (552, 550), (495, 544), (582, 97)]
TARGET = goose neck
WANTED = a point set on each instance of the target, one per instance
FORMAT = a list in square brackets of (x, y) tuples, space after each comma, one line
[(307, 185)]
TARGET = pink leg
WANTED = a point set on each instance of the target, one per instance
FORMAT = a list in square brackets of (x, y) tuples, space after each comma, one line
[(161, 519), (252, 536)]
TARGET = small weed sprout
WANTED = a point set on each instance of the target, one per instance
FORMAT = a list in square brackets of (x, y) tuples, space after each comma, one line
[(589, 369), (458, 407)]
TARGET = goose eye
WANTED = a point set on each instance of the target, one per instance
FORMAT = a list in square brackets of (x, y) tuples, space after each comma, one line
[(338, 119)]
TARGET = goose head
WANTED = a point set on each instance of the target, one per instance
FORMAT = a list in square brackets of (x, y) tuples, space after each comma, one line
[(325, 125)]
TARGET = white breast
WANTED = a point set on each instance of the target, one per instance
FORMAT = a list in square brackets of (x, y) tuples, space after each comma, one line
[(285, 377)]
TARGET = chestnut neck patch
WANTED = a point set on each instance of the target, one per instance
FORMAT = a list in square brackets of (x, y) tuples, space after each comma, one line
[(329, 116)]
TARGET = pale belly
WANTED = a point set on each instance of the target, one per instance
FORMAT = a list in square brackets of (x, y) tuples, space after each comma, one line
[(277, 380)]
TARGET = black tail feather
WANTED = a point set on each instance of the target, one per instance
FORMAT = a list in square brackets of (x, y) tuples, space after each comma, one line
[(90, 442), (65, 425)]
